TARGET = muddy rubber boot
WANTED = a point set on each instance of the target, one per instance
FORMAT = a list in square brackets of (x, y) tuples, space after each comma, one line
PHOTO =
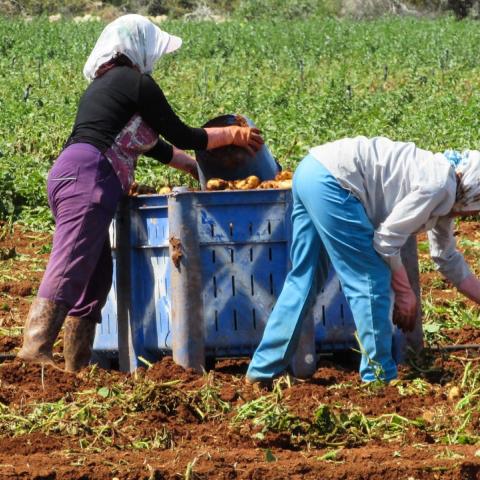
[(43, 324), (77, 342)]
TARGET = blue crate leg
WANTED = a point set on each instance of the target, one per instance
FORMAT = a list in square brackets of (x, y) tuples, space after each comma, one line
[(105, 346), (188, 332), (126, 353), (304, 360)]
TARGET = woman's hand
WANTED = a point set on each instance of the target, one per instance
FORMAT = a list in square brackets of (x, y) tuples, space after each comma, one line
[(181, 160), (470, 287), (405, 305), (246, 137)]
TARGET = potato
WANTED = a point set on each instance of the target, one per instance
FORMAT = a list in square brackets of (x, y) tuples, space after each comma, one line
[(284, 175), (217, 184), (268, 184), (454, 393), (252, 182), (146, 190), (140, 189), (285, 184), (248, 183), (133, 189), (240, 185), (165, 190)]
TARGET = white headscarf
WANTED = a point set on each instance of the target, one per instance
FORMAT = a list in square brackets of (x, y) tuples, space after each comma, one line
[(468, 188), (134, 36)]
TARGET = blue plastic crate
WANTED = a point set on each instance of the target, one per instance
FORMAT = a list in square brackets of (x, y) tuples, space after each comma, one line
[(242, 243), (334, 325), (105, 347), (139, 298), (149, 276), (236, 246)]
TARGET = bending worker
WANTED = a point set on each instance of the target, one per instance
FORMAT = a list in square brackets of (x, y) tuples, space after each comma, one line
[(356, 202), (120, 116)]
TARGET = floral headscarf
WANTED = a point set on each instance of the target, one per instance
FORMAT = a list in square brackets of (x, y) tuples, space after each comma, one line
[(467, 166)]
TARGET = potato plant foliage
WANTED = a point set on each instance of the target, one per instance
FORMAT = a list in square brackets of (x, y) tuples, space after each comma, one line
[(303, 82)]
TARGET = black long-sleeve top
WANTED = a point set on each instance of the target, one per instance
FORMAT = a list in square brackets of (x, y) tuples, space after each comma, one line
[(111, 100)]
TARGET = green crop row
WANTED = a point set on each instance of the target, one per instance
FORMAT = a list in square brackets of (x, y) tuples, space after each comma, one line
[(302, 82)]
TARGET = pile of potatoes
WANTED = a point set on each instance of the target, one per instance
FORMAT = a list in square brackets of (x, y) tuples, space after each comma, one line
[(140, 189), (282, 180)]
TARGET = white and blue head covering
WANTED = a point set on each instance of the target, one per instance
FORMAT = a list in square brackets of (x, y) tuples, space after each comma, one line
[(134, 36), (467, 166)]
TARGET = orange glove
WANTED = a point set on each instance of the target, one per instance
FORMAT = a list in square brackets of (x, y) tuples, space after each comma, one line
[(246, 137), (405, 305)]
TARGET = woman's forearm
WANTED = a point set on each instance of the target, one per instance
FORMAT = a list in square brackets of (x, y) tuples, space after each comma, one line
[(181, 160), (154, 108)]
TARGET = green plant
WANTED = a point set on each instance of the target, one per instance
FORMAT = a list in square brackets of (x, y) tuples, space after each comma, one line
[(207, 402), (406, 78), (86, 415), (377, 368), (268, 412), (426, 266)]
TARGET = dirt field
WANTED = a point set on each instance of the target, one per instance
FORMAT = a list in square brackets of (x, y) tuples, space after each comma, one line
[(168, 423)]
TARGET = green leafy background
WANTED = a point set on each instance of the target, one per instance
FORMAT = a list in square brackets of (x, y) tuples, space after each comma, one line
[(303, 81)]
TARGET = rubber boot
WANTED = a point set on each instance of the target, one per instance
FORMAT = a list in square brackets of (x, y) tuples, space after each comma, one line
[(43, 324), (77, 342)]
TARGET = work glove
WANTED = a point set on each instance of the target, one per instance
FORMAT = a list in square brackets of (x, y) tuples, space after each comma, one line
[(246, 137), (405, 305)]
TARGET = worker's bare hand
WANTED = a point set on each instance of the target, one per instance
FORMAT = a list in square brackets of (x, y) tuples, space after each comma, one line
[(405, 306), (405, 310), (183, 161)]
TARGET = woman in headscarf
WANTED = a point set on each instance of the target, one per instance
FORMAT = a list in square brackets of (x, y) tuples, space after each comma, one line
[(120, 116), (356, 202)]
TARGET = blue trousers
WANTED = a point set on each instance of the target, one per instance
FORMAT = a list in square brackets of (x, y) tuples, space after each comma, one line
[(329, 223)]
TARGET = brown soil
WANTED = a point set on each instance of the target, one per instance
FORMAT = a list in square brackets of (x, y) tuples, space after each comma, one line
[(20, 383), (375, 462), (467, 335), (214, 446)]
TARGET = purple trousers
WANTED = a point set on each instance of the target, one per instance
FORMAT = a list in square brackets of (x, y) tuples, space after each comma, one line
[(83, 193)]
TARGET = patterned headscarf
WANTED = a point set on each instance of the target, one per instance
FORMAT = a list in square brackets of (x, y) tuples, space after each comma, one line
[(467, 166), (134, 36)]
